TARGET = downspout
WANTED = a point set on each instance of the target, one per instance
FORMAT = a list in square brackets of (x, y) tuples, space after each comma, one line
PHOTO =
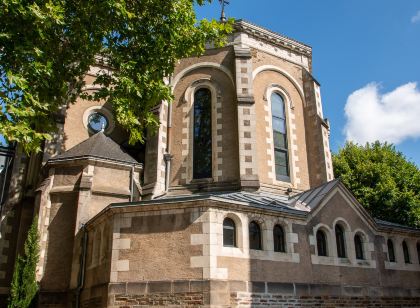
[(132, 184), (167, 156), (82, 269)]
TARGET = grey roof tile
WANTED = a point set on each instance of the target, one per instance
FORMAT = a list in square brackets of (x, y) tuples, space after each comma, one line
[(98, 146)]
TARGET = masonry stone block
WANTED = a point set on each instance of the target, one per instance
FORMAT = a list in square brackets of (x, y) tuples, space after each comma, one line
[(160, 287), (136, 288), (280, 288)]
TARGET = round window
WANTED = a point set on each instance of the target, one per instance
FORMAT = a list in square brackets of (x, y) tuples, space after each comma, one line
[(97, 122)]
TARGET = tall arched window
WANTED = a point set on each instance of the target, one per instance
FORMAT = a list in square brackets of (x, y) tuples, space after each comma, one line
[(278, 237), (391, 252), (418, 252), (341, 244), (321, 243), (229, 233), (202, 146), (254, 236), (406, 252), (280, 137), (358, 245)]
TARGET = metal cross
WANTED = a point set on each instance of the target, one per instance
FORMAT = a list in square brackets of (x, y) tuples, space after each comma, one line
[(222, 15)]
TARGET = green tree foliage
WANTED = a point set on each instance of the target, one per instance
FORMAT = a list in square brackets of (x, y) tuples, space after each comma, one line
[(382, 179), (24, 286), (46, 47)]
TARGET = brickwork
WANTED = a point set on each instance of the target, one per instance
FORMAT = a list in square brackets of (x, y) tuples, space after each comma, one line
[(243, 300), (147, 300)]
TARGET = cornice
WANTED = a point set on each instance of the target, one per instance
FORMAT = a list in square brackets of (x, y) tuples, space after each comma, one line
[(273, 38)]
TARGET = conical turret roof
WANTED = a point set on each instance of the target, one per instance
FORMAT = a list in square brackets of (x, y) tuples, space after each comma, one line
[(97, 146)]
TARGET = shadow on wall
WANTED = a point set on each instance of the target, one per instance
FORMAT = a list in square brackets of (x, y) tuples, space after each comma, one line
[(61, 236)]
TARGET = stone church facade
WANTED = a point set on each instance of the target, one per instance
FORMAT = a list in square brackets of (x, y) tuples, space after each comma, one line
[(231, 203)]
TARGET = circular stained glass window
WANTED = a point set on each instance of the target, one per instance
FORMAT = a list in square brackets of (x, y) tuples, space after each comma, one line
[(97, 122)]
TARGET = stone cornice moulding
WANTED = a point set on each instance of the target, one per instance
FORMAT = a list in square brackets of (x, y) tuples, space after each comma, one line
[(272, 37)]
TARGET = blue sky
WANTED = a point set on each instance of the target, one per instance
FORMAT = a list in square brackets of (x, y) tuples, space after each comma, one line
[(366, 55)]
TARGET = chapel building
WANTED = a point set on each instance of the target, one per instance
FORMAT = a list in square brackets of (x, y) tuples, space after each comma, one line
[(231, 203)]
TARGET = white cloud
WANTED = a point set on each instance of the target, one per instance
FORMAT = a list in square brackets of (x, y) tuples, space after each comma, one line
[(392, 117), (416, 18)]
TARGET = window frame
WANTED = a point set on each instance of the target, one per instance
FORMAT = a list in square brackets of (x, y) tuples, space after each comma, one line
[(406, 252), (340, 240), (324, 243), (209, 174), (284, 150), (188, 128), (259, 233), (282, 239), (389, 249), (358, 247), (234, 228)]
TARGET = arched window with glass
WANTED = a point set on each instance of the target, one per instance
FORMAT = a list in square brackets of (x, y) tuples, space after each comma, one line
[(391, 252), (202, 135), (358, 245), (229, 233), (279, 239), (281, 156), (341, 243), (406, 252), (321, 243), (255, 236)]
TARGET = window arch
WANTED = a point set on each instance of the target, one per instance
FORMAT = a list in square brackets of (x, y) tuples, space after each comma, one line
[(278, 120), (321, 243), (279, 240), (229, 233), (202, 134), (341, 244), (358, 245), (254, 236), (391, 252), (406, 252)]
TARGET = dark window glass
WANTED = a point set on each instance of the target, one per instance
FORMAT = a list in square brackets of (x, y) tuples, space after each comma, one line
[(321, 243), (406, 252), (358, 245), (202, 147), (418, 252), (339, 237), (280, 137), (254, 236), (278, 236), (391, 253), (97, 122), (229, 233)]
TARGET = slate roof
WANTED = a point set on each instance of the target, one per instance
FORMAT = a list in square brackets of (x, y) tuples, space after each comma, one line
[(97, 146), (309, 199), (388, 224), (300, 204)]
